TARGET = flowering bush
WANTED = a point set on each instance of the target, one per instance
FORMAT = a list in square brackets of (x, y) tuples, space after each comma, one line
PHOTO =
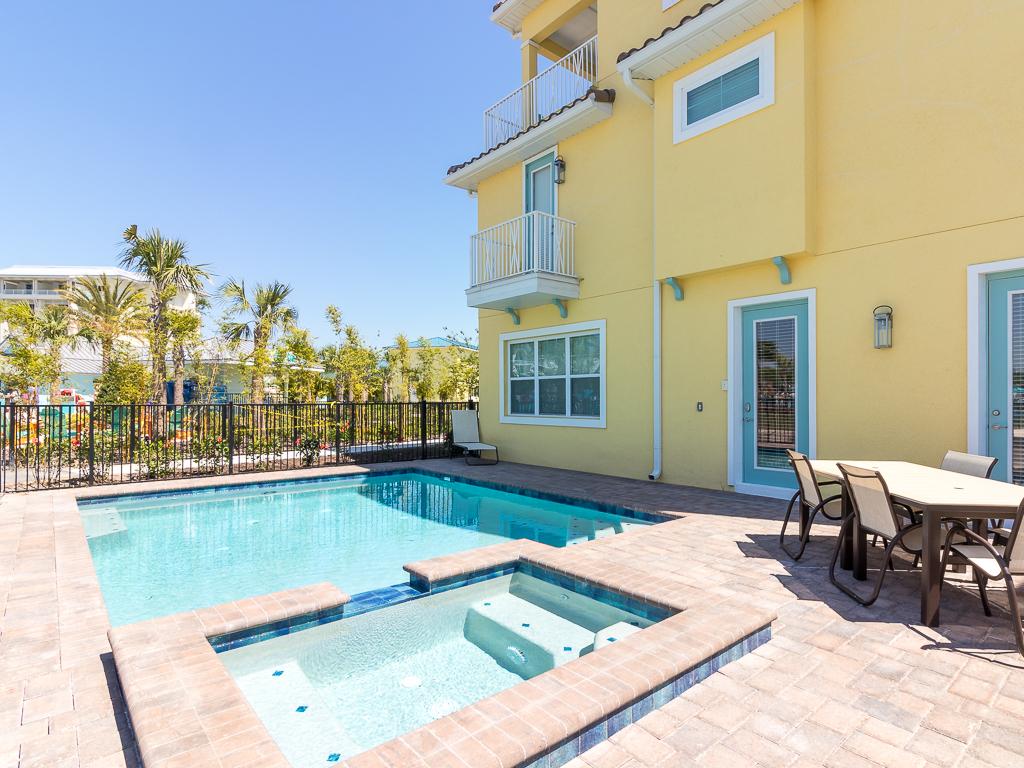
[(309, 447)]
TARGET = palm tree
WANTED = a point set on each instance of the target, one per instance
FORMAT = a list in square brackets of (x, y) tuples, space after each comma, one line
[(54, 327), (106, 310), (164, 262), (256, 316)]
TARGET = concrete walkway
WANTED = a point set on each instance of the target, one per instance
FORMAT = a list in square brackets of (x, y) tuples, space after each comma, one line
[(839, 685)]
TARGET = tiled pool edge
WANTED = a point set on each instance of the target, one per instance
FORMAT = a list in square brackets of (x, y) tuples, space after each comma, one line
[(601, 731), (397, 594), (222, 482), (184, 707)]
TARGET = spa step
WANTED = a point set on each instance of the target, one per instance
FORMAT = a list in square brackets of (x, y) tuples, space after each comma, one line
[(101, 521), (294, 713), (522, 637), (613, 634)]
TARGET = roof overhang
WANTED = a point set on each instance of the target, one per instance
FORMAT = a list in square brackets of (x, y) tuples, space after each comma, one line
[(570, 121), (511, 13), (696, 35)]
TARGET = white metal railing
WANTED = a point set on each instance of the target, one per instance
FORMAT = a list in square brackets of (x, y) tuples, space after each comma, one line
[(563, 82), (29, 292), (534, 242)]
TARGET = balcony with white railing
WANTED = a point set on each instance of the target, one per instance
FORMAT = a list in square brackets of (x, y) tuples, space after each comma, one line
[(524, 262), (565, 81)]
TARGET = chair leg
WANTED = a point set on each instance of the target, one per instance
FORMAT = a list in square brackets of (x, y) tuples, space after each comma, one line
[(982, 582), (785, 522), (1018, 627), (881, 572)]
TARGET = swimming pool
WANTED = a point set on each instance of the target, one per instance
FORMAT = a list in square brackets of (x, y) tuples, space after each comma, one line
[(158, 554), (334, 691)]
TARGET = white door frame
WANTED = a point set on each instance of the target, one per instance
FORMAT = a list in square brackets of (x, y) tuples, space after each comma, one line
[(977, 348), (735, 383)]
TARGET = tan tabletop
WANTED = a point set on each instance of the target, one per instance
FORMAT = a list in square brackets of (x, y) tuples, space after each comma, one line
[(937, 494)]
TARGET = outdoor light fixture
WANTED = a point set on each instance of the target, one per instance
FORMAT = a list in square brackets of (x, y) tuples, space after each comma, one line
[(559, 170), (883, 327)]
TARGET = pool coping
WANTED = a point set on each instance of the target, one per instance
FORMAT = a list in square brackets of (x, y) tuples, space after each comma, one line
[(97, 495), (188, 711)]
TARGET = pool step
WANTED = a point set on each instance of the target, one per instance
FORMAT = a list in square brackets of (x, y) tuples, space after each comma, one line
[(295, 715), (523, 637), (613, 634), (101, 521)]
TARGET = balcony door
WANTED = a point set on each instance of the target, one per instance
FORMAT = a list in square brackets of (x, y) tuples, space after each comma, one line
[(540, 204)]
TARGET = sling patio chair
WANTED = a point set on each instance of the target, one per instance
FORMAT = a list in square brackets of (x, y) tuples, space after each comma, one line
[(466, 435), (991, 561), (875, 511), (809, 500)]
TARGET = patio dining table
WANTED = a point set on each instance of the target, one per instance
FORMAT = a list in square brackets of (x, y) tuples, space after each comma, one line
[(936, 494)]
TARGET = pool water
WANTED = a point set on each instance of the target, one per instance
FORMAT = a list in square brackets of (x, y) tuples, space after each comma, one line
[(339, 689), (164, 553)]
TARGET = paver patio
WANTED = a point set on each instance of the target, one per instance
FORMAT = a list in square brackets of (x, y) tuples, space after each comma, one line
[(838, 685)]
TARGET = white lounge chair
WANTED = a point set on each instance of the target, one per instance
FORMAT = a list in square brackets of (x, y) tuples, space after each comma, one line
[(466, 435)]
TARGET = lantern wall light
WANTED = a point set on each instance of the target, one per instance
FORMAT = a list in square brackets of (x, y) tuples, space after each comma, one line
[(883, 326), (559, 170)]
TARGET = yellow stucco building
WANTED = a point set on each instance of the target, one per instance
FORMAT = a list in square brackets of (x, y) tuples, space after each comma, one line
[(711, 231)]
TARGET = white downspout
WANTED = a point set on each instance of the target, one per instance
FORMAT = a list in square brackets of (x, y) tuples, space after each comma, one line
[(655, 474)]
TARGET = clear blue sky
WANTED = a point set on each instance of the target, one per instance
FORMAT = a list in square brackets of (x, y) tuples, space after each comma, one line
[(301, 141)]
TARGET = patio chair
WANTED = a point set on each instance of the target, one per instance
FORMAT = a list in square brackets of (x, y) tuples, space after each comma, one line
[(875, 510), (968, 464), (991, 561), (810, 501), (466, 435)]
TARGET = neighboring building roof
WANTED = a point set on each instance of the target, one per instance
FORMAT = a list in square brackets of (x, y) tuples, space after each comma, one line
[(605, 95), (439, 342), (38, 270)]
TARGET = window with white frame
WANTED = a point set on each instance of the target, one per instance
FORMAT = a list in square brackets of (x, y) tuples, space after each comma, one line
[(554, 376), (729, 88)]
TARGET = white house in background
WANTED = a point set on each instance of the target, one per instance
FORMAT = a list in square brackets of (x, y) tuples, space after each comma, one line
[(40, 285)]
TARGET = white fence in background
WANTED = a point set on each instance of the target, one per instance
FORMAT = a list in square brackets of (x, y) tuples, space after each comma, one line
[(534, 242), (563, 82)]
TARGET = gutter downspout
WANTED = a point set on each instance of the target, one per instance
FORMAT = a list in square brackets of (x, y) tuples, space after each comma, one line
[(655, 474)]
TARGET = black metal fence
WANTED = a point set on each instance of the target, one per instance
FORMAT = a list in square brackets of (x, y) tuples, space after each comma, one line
[(59, 446)]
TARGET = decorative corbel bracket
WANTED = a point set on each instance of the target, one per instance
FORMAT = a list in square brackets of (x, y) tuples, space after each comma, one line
[(515, 315), (784, 276), (562, 309), (676, 286)]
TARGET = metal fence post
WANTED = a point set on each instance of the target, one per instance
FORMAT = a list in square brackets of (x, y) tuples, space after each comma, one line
[(337, 433), (423, 429), (92, 443), (12, 455), (131, 433), (231, 437)]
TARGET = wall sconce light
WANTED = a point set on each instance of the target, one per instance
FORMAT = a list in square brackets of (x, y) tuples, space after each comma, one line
[(883, 327), (559, 170)]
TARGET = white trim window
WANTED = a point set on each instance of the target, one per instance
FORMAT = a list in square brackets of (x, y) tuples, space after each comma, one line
[(554, 376), (729, 88)]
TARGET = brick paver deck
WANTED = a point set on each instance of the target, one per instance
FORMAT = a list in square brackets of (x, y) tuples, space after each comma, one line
[(839, 685)]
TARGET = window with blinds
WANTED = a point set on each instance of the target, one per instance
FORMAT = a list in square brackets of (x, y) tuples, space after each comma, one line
[(736, 85)]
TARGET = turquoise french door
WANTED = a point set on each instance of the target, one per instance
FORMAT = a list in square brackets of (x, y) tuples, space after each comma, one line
[(1005, 406), (539, 188), (775, 389)]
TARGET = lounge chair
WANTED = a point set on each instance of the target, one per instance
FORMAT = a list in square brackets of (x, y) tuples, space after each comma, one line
[(466, 435), (875, 510), (992, 561), (810, 501)]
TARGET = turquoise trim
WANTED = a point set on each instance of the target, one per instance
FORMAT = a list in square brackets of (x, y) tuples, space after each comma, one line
[(1001, 391), (515, 315), (773, 469), (562, 309), (784, 276), (676, 286)]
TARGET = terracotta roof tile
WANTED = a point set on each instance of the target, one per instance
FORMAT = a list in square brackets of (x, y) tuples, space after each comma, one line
[(667, 30), (606, 95)]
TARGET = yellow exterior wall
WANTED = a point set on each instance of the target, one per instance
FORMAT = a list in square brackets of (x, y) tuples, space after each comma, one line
[(890, 161)]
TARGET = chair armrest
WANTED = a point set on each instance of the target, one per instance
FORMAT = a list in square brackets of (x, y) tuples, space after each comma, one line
[(960, 528)]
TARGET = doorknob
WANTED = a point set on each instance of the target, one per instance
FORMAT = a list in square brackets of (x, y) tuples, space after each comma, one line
[(748, 418), (998, 426)]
